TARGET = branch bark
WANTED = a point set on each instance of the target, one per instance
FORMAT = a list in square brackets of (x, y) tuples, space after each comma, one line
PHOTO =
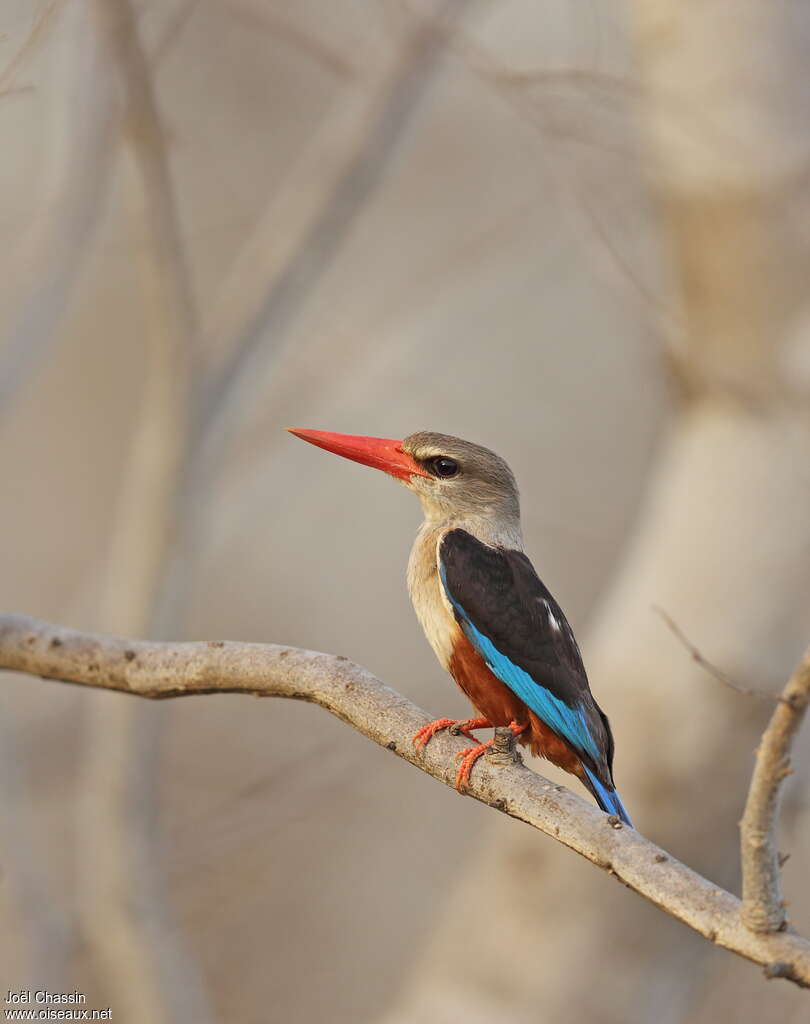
[(763, 909), (164, 670)]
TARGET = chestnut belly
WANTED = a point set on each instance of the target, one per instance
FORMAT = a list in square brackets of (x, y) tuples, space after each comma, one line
[(493, 699)]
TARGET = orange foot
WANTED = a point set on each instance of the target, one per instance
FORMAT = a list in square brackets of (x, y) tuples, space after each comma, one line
[(427, 732), (469, 756)]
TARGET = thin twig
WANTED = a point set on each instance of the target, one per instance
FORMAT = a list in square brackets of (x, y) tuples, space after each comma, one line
[(763, 909), (164, 670), (699, 659)]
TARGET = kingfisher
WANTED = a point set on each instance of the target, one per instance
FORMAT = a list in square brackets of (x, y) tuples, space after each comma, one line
[(492, 623)]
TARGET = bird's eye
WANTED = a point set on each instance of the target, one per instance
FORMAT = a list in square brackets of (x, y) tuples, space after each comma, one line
[(444, 467)]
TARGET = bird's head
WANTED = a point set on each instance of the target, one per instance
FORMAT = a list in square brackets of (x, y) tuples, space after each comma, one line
[(454, 479)]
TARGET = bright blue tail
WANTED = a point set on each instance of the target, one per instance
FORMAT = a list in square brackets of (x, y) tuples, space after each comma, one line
[(608, 799)]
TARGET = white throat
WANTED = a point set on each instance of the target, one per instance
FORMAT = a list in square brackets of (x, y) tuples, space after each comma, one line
[(490, 527)]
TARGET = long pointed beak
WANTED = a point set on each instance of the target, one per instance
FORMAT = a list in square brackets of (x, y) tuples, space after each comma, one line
[(377, 452)]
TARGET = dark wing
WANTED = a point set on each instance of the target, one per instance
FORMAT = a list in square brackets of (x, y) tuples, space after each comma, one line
[(518, 628)]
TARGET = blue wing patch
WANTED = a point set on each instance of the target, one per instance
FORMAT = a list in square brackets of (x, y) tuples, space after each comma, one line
[(568, 722)]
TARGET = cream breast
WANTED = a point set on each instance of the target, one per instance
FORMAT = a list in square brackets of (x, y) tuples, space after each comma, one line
[(427, 594)]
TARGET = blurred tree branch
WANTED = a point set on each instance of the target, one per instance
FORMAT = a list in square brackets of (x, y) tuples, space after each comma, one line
[(38, 29), (165, 670), (82, 161), (763, 909)]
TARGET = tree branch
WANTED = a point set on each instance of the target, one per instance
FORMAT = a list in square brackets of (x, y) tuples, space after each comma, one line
[(763, 910), (162, 670)]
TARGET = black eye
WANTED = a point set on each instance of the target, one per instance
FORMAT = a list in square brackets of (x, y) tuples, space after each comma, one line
[(443, 467)]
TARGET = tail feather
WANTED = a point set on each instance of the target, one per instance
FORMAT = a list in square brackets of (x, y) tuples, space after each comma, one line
[(608, 799)]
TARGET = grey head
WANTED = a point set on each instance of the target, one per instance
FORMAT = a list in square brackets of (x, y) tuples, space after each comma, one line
[(465, 482)]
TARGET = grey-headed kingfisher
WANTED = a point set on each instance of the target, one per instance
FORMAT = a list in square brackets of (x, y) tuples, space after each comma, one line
[(492, 623)]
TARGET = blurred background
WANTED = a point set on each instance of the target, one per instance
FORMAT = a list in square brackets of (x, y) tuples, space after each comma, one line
[(575, 232)]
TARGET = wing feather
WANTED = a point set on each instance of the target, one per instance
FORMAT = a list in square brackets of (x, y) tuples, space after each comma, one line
[(515, 624)]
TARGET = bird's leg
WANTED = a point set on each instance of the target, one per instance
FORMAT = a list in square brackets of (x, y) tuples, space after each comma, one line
[(427, 732), (469, 756)]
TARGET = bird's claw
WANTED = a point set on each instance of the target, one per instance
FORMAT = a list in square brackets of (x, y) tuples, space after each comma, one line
[(454, 727), (421, 738), (468, 758)]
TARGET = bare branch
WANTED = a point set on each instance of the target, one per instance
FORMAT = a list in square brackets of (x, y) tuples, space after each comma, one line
[(708, 666), (163, 670), (763, 910)]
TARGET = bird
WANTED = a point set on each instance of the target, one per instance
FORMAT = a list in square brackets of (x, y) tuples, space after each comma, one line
[(492, 623)]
